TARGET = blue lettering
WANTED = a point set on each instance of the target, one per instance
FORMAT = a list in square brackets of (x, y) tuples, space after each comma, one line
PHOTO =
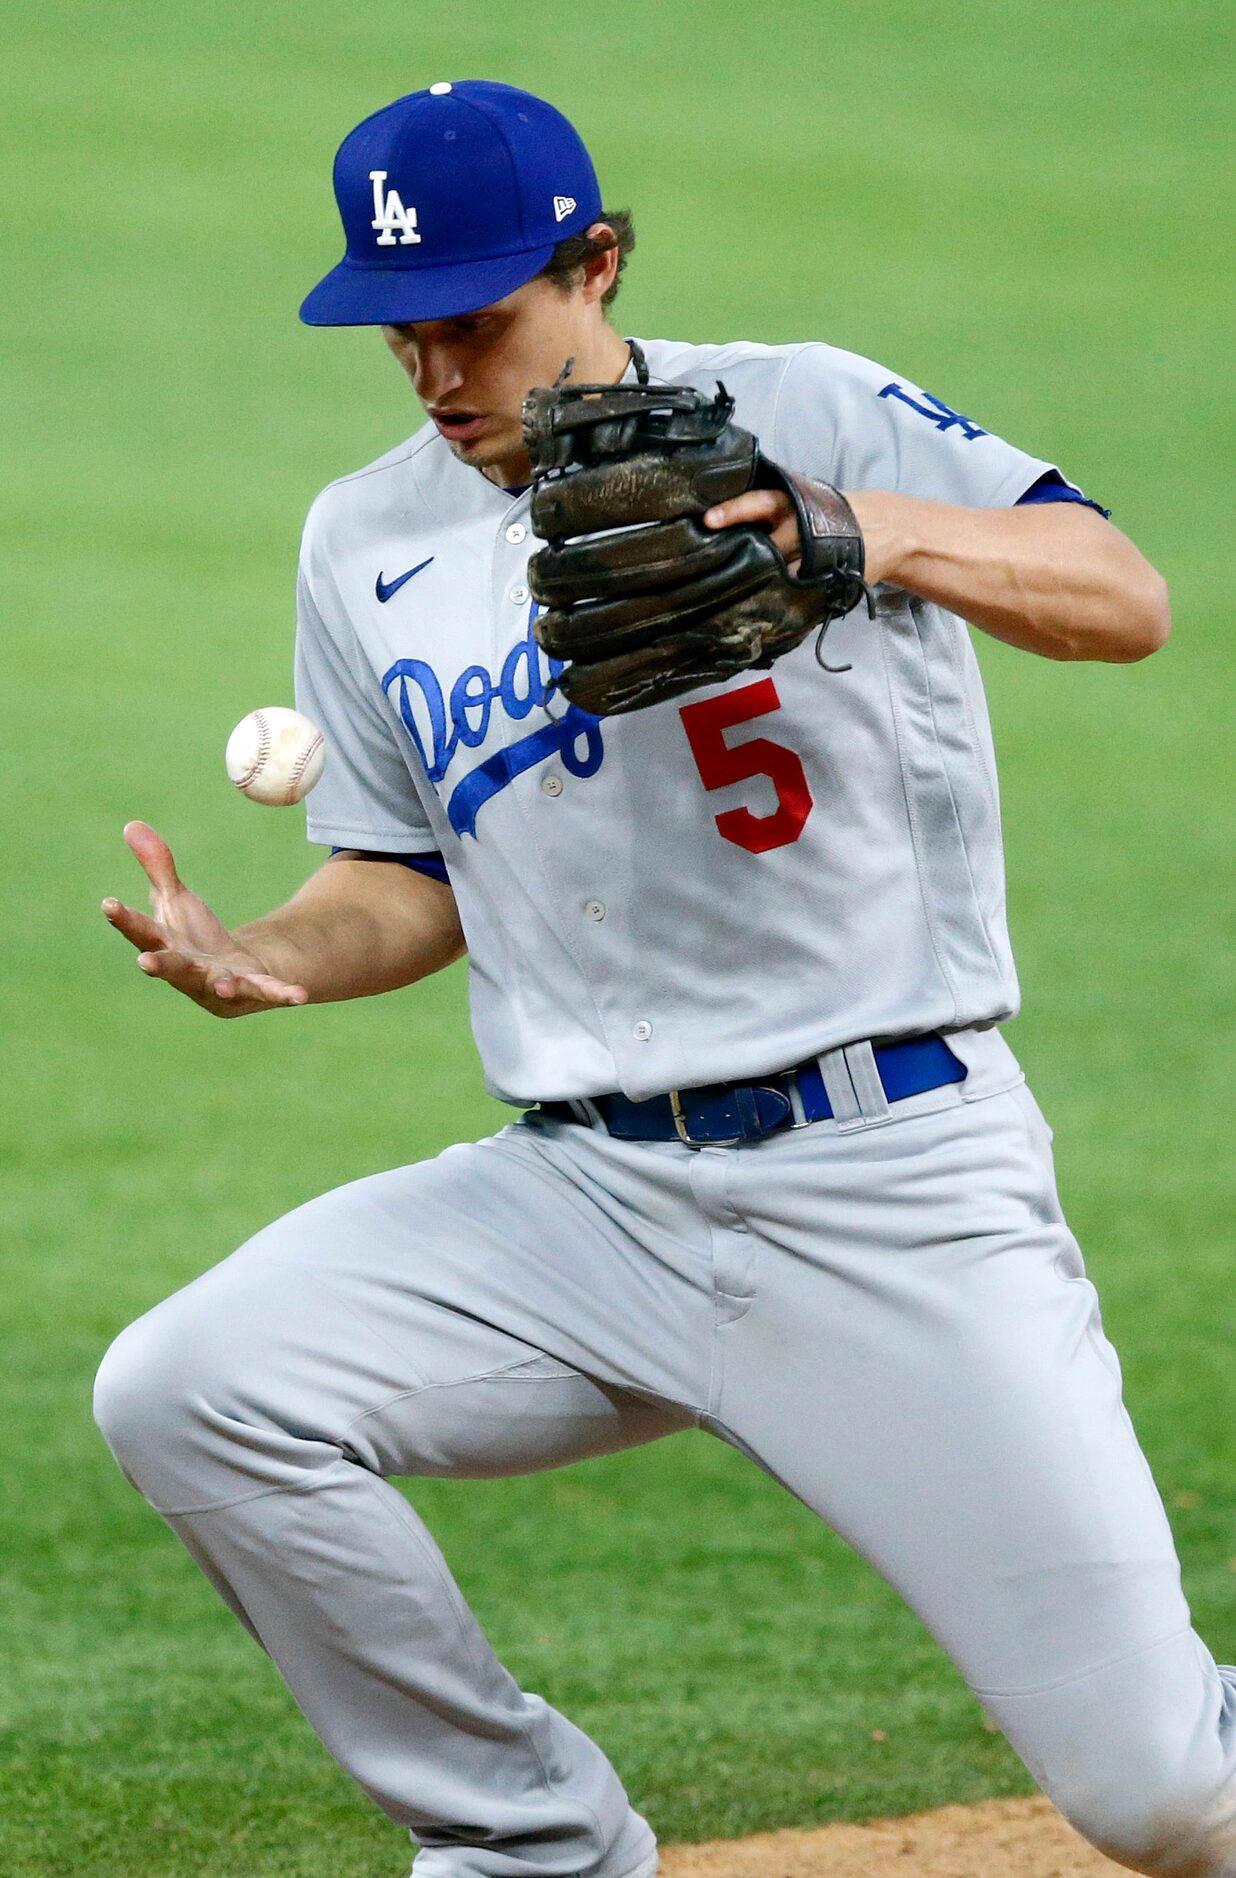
[(466, 697), (575, 737), (575, 725), (527, 654), (415, 671), (940, 414), (557, 738)]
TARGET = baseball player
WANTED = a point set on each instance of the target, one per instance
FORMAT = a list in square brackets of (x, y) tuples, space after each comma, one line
[(737, 946)]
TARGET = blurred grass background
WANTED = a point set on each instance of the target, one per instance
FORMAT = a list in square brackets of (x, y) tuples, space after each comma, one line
[(1030, 210)]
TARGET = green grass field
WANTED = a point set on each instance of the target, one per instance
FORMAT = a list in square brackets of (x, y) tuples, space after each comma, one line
[(1028, 208)]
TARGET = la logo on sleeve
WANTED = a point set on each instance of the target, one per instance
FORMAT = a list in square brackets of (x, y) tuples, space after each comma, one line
[(389, 214)]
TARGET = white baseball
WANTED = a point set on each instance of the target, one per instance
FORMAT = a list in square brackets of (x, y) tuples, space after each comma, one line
[(275, 756)]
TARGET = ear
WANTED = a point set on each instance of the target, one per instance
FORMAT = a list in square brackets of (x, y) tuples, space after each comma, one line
[(600, 272)]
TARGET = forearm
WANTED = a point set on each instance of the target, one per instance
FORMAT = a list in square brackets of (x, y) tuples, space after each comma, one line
[(1052, 578), (357, 928)]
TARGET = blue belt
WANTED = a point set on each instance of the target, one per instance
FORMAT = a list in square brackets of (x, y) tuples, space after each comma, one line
[(724, 1114)]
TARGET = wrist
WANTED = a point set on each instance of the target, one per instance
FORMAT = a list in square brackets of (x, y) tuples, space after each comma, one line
[(889, 543)]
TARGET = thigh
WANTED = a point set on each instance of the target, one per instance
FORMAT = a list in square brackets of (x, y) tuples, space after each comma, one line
[(922, 1361), (471, 1315)]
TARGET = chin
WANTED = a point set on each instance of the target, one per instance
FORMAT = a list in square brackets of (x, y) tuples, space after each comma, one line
[(486, 453)]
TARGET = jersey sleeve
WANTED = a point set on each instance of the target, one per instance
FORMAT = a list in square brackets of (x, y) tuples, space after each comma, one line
[(432, 864), (855, 424), (366, 797), (1053, 488)]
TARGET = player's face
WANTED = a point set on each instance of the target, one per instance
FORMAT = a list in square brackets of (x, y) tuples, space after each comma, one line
[(472, 373)]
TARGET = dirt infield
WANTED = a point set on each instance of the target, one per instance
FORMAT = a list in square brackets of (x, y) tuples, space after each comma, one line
[(999, 1839)]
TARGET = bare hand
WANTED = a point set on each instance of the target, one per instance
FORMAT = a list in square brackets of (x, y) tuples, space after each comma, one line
[(182, 941), (876, 511)]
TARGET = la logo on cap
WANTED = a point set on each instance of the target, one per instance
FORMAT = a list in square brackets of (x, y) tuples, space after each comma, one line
[(563, 206), (390, 216)]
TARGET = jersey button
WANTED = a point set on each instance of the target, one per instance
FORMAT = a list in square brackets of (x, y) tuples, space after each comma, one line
[(642, 1031), (516, 532), (551, 785), (595, 909), (519, 595)]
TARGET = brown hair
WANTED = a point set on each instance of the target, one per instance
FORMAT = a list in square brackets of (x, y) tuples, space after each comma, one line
[(571, 254)]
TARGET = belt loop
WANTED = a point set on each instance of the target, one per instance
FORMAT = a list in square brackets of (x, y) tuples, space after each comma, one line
[(588, 1111), (865, 1077), (839, 1089)]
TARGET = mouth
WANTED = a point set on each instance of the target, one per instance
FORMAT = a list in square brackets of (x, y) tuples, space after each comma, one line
[(458, 426)]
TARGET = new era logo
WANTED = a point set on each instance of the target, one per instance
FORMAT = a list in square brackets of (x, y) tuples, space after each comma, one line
[(563, 206)]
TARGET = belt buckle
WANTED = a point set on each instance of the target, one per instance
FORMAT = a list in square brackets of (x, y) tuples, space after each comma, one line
[(684, 1133)]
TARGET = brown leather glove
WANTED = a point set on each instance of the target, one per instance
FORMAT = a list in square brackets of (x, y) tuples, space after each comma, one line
[(667, 605)]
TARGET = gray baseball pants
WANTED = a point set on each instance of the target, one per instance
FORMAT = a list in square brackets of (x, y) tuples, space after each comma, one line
[(886, 1311)]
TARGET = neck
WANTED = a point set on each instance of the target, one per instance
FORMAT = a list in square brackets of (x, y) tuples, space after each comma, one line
[(604, 360)]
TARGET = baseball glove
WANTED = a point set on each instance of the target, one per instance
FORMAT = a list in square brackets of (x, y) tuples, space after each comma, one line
[(642, 601)]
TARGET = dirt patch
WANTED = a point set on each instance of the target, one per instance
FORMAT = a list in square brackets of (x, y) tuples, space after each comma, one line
[(999, 1839)]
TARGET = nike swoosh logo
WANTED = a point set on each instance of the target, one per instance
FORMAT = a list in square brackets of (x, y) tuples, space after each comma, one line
[(385, 588)]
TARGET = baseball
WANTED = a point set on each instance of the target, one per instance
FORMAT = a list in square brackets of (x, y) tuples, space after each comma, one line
[(275, 756)]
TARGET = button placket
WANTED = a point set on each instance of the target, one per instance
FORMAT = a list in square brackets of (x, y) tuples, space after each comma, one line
[(510, 588)]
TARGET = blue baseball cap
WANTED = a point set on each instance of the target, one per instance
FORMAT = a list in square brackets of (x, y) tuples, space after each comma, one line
[(451, 198)]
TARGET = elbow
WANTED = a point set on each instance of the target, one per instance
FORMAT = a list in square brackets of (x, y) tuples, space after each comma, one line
[(1132, 620), (1145, 619), (1160, 609)]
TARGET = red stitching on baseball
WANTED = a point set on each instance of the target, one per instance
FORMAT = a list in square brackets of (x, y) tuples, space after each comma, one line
[(263, 751), (306, 757)]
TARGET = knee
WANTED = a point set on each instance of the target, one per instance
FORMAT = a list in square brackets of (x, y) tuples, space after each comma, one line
[(1168, 1833), (124, 1409), (222, 1392), (143, 1396), (181, 1397), (1137, 1754)]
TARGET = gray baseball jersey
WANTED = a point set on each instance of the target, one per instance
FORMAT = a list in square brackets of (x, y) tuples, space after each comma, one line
[(720, 886)]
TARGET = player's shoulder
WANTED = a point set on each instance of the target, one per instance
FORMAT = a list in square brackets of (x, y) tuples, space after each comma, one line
[(741, 360), (373, 497), (760, 377)]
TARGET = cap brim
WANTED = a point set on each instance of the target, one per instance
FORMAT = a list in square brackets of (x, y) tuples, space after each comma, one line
[(392, 296)]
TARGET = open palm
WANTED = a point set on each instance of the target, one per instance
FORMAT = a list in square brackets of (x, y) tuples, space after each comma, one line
[(181, 940)]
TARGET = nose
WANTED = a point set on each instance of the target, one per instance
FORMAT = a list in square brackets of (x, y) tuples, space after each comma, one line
[(436, 373)]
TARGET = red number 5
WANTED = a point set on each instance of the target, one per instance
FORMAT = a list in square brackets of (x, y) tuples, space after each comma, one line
[(706, 724)]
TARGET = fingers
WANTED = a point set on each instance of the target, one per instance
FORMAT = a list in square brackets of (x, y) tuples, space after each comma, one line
[(218, 988), (768, 506), (259, 988), (177, 969), (137, 928), (765, 508), (154, 855)]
